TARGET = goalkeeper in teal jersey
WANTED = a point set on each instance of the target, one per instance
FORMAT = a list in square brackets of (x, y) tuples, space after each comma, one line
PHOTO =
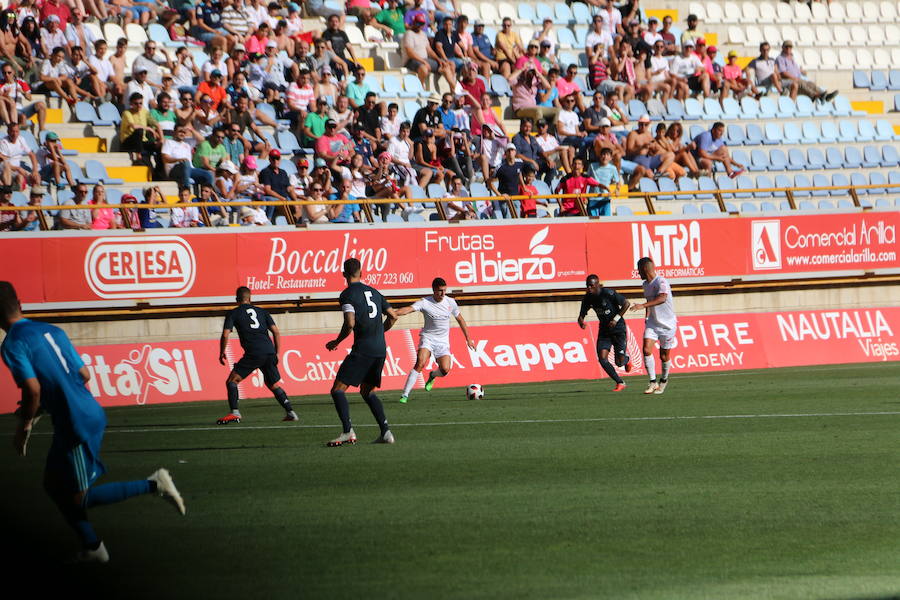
[(52, 378)]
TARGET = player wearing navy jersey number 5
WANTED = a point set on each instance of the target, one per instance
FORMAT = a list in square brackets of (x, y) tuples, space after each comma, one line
[(363, 307), (610, 307), (434, 339), (660, 323), (48, 369), (253, 325)]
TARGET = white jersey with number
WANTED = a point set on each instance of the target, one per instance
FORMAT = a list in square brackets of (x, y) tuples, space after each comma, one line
[(437, 317), (661, 316)]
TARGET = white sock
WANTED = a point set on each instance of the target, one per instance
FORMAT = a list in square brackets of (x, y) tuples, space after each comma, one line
[(664, 375), (410, 382), (651, 367), (236, 412), (436, 373)]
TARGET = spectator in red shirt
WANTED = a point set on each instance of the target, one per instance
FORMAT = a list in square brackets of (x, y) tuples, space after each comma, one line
[(55, 7), (528, 205), (574, 183), (334, 147)]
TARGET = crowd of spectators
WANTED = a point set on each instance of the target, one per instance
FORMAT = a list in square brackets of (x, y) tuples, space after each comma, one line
[(210, 128)]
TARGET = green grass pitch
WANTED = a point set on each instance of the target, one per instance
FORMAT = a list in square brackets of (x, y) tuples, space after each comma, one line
[(751, 484)]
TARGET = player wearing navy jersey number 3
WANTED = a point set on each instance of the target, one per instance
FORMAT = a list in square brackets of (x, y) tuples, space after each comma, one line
[(610, 307), (363, 307), (48, 369), (253, 325), (660, 323), (434, 339)]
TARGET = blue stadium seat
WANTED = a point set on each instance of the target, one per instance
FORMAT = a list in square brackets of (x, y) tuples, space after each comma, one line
[(288, 143), (786, 107), (689, 209), (94, 169), (500, 85), (894, 177), (842, 108), (792, 133), (768, 109), (647, 185), (889, 156), (894, 80), (782, 182), (773, 132), (693, 109), (392, 86), (804, 107), (686, 184), (545, 11), (410, 108), (861, 79), (814, 158), (624, 211), (845, 203), (876, 178), (866, 131), (852, 158), (833, 158), (882, 203), (820, 180), (847, 131), (412, 87), (806, 205), (696, 130), (884, 131), (732, 208), (829, 134), (581, 12), (767, 207), (749, 207), (78, 175), (879, 81), (777, 160), (749, 107), (563, 15), (758, 160), (580, 36), (857, 179), (526, 12), (731, 109), (735, 135), (712, 109), (708, 208), (839, 180), (724, 183), (666, 184), (796, 160), (656, 109), (801, 181), (871, 157), (85, 113), (675, 110), (108, 112), (825, 205), (743, 182), (565, 37), (706, 184), (763, 182), (809, 133), (636, 108), (436, 190), (740, 156)]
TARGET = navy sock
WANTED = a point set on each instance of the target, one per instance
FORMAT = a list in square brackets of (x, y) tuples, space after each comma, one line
[(282, 398), (611, 371), (111, 493), (76, 517), (233, 395), (377, 411), (343, 409)]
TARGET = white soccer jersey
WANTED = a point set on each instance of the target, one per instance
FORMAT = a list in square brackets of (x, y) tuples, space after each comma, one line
[(661, 315), (437, 317)]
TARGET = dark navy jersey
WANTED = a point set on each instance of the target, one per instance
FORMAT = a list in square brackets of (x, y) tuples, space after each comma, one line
[(252, 324), (607, 304), (368, 305)]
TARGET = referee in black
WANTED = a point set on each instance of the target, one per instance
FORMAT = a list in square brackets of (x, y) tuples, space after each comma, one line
[(610, 307), (253, 325), (363, 307)]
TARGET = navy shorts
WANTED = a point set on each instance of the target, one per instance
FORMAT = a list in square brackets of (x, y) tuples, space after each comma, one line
[(267, 364), (617, 340), (74, 467), (359, 368)]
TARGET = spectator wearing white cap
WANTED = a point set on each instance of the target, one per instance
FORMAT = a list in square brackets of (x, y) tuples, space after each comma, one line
[(791, 73), (51, 34), (688, 69)]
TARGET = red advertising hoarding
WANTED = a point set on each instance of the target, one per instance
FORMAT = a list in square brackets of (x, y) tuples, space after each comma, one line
[(66, 270), (153, 373)]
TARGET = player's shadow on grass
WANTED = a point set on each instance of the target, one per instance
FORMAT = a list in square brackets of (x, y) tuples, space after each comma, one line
[(194, 449)]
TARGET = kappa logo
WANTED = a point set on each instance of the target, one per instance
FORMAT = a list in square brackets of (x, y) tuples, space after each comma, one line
[(766, 244), (158, 266)]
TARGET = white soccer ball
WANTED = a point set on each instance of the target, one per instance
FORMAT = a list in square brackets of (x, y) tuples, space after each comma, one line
[(474, 392)]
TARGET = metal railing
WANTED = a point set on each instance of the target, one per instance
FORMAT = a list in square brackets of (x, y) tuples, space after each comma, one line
[(581, 201)]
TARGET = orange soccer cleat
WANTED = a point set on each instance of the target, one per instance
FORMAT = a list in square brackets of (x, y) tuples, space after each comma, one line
[(620, 387), (228, 419)]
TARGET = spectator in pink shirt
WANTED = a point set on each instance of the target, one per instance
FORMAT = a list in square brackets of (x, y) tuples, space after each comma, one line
[(530, 56), (733, 77), (102, 218), (567, 86), (256, 43)]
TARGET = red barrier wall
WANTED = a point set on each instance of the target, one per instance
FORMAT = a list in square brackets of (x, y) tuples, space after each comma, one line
[(128, 374), (51, 269)]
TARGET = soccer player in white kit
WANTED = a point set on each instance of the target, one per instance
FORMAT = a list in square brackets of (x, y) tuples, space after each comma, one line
[(434, 338), (660, 323)]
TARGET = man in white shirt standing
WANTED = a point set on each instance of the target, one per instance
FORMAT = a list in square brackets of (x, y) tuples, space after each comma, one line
[(434, 339), (660, 323)]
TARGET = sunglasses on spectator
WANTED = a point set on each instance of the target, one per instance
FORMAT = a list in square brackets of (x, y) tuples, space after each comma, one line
[(317, 189)]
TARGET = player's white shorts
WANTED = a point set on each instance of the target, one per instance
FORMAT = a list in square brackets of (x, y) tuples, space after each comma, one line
[(665, 335), (438, 348)]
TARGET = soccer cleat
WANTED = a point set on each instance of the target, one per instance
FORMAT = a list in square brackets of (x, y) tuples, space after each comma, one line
[(403, 399), (651, 389), (429, 384), (661, 386), (345, 439), (291, 416), (620, 387), (628, 367), (86, 556), (385, 438), (167, 490), (228, 419)]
